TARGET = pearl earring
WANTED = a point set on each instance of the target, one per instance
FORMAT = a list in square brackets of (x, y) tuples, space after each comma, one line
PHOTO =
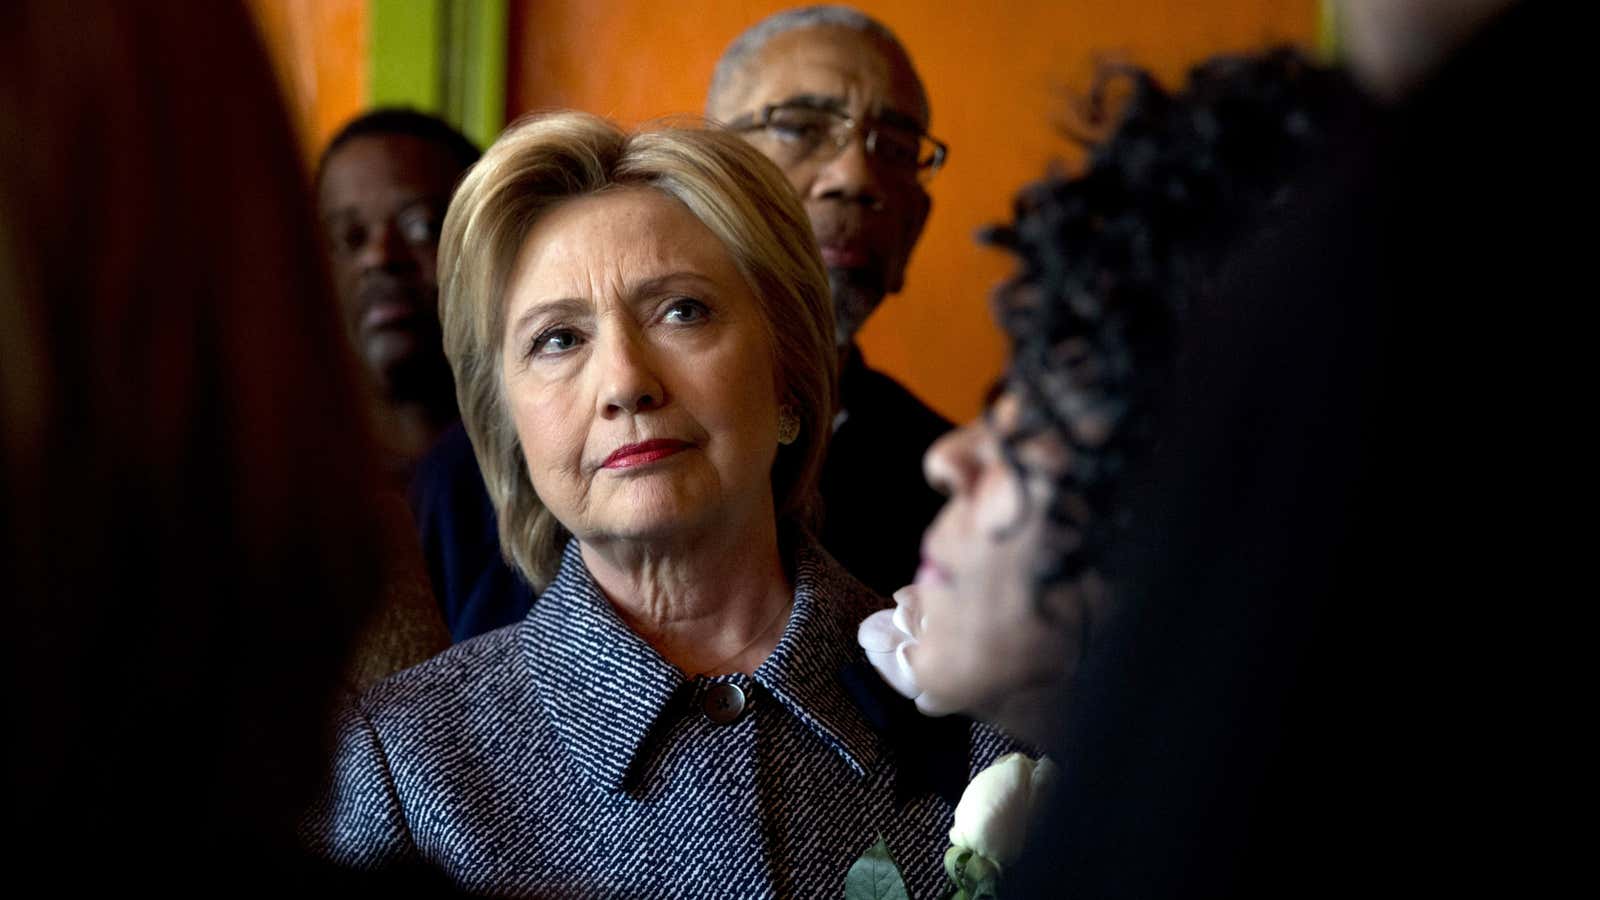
[(788, 425)]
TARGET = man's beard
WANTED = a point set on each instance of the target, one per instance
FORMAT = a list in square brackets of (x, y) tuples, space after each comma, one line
[(856, 294)]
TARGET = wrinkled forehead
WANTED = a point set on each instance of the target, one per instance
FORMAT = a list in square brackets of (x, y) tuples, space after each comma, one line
[(859, 73)]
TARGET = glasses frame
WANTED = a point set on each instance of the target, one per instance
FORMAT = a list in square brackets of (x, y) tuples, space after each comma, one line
[(763, 120)]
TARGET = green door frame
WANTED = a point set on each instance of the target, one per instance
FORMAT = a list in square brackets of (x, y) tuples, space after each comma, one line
[(446, 57)]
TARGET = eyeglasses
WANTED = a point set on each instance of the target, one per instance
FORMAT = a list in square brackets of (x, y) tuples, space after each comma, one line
[(797, 133)]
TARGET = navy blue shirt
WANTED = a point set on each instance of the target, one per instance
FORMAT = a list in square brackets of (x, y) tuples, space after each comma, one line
[(476, 590)]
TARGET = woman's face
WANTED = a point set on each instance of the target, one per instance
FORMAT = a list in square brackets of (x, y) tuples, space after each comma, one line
[(639, 373), (983, 644)]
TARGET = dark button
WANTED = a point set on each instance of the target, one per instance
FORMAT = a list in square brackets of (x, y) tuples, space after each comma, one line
[(723, 703)]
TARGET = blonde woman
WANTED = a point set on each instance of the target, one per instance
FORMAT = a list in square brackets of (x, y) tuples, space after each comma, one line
[(642, 342)]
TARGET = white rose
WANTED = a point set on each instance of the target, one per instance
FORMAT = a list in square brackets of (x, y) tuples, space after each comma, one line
[(993, 815), (886, 635)]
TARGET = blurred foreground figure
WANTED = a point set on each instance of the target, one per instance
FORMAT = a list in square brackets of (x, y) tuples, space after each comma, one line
[(189, 536), (1312, 686)]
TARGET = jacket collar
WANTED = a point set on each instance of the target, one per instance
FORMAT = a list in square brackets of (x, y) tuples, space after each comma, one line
[(803, 672), (606, 690)]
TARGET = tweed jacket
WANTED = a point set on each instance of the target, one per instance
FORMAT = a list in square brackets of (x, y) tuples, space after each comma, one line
[(563, 757)]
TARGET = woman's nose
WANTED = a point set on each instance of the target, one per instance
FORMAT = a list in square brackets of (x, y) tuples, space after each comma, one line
[(629, 383), (951, 463)]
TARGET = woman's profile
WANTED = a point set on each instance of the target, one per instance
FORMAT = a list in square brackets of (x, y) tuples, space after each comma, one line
[(1021, 567)]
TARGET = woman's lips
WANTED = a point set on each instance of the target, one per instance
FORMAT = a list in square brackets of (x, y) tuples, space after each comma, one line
[(643, 453)]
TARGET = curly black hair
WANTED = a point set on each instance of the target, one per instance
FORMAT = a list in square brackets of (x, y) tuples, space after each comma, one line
[(1112, 261)]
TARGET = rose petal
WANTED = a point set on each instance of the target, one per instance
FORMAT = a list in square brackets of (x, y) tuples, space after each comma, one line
[(908, 611), (1042, 786), (884, 637), (992, 817), (879, 634), (894, 670)]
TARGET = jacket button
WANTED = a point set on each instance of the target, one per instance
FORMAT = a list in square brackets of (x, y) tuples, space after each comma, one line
[(723, 703)]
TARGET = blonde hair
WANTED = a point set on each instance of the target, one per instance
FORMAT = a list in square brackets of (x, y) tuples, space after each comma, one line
[(730, 187)]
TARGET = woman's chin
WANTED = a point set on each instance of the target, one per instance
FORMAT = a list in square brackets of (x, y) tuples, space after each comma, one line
[(672, 508), (655, 520)]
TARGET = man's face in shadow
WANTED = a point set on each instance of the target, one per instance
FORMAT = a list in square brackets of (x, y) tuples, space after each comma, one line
[(867, 209), (382, 200)]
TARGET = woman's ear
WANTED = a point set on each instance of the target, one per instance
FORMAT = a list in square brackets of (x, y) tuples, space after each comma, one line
[(788, 424)]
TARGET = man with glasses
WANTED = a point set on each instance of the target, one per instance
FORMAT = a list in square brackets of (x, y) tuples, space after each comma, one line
[(831, 96)]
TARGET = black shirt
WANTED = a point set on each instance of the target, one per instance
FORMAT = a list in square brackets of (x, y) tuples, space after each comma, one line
[(876, 502)]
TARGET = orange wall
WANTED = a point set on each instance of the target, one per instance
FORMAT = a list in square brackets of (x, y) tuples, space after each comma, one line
[(319, 50), (995, 73), (995, 81)]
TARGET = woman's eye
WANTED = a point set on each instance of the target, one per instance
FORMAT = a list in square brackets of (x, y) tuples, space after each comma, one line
[(686, 312), (552, 342)]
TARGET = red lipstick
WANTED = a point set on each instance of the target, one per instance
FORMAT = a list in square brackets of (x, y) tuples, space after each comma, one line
[(643, 453)]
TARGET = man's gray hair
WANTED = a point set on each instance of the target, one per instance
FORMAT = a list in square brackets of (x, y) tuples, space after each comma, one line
[(756, 36)]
